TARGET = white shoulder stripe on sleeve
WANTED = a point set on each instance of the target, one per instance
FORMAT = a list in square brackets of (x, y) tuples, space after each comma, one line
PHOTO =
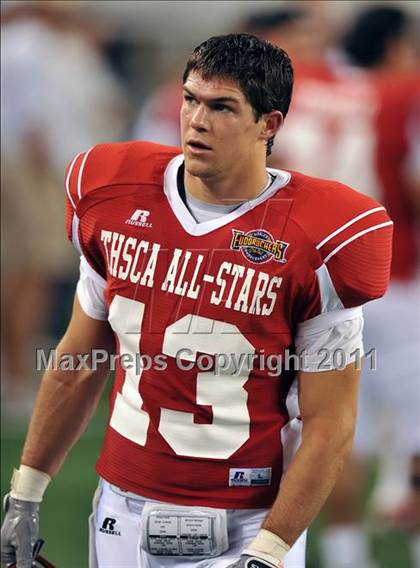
[(79, 180), (348, 224), (68, 180), (356, 236)]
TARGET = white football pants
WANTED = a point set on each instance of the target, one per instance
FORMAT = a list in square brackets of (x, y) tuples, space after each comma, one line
[(119, 546)]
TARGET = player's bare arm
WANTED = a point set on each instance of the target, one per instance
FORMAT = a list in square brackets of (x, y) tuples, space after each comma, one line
[(328, 404), (65, 403), (67, 399)]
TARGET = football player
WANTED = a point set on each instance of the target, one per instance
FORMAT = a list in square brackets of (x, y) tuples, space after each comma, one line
[(207, 266)]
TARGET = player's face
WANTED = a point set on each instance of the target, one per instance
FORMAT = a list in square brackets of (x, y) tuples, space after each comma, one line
[(218, 128)]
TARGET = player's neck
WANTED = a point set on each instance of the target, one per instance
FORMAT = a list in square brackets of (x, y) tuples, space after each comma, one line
[(227, 189)]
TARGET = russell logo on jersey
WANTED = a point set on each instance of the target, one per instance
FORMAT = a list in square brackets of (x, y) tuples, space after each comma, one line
[(140, 218), (259, 246), (250, 477)]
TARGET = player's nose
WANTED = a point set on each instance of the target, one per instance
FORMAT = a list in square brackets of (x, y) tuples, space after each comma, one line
[(199, 118)]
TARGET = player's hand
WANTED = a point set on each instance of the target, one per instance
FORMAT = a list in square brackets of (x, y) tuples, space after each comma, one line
[(246, 561), (19, 532)]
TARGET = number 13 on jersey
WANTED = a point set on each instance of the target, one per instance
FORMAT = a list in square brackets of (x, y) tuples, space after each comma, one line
[(224, 392)]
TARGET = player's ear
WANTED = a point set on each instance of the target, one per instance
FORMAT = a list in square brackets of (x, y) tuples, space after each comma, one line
[(272, 122)]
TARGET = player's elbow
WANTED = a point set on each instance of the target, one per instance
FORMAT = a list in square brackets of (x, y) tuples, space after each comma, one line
[(347, 437), (344, 439), (71, 368), (334, 434), (345, 428), (341, 441)]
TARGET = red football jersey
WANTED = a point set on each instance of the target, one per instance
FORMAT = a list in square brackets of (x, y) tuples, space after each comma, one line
[(358, 128), (179, 291)]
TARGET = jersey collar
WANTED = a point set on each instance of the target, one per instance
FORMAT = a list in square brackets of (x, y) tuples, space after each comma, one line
[(187, 221)]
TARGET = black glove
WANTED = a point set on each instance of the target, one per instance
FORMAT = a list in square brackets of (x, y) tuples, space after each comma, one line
[(19, 532), (246, 561)]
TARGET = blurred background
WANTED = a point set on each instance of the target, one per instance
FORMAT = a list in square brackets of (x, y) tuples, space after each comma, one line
[(75, 73)]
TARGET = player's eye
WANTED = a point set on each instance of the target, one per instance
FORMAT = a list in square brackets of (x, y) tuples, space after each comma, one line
[(219, 107), (188, 98)]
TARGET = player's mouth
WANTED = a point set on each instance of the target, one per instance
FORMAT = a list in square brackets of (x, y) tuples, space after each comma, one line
[(197, 147)]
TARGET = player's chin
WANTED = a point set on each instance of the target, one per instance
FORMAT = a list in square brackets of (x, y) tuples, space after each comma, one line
[(197, 167)]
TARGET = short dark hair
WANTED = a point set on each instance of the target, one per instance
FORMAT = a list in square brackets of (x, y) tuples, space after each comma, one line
[(367, 39), (263, 71)]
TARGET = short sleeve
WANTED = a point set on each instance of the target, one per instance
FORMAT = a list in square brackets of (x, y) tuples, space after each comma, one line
[(331, 340), (360, 268), (90, 292), (352, 266), (355, 268), (355, 261)]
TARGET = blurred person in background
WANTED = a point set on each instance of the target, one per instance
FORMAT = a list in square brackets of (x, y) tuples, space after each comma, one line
[(355, 117), (57, 96), (304, 28), (158, 119)]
